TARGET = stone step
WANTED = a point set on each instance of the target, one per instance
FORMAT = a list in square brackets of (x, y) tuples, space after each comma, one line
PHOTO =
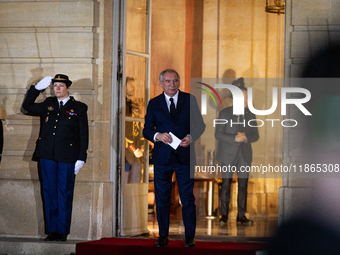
[(34, 246)]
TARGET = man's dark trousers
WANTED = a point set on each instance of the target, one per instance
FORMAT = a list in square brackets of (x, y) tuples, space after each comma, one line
[(162, 178), (58, 186), (242, 186)]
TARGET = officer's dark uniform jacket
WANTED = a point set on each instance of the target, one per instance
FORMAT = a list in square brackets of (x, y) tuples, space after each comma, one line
[(64, 133)]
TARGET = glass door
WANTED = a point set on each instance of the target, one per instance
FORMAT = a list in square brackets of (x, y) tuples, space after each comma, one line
[(135, 55)]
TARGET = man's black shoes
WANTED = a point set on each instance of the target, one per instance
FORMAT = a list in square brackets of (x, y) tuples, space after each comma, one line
[(189, 242), (51, 237), (244, 221), (223, 220), (162, 241), (56, 237)]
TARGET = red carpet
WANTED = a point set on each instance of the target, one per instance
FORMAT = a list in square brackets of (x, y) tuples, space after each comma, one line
[(118, 246)]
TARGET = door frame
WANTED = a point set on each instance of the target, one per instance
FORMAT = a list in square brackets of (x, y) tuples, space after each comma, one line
[(119, 52)]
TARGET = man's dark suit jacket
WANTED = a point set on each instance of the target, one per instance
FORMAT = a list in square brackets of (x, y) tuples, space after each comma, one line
[(189, 121), (64, 134), (225, 134)]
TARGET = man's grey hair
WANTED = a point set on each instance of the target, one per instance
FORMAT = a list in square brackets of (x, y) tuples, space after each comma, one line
[(167, 71)]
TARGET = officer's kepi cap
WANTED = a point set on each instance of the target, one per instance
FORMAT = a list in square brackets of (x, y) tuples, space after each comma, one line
[(62, 78)]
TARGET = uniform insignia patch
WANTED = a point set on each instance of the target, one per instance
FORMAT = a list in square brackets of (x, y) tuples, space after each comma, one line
[(50, 108), (71, 113), (46, 119)]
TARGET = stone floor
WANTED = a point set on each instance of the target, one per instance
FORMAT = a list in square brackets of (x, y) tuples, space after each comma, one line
[(209, 229), (34, 246)]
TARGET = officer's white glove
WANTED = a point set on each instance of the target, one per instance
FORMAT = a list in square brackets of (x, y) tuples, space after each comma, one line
[(44, 83), (79, 164)]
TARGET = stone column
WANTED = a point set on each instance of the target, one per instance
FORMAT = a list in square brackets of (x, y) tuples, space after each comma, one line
[(310, 25)]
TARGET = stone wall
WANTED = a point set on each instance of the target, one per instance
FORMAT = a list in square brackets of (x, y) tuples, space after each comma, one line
[(310, 26)]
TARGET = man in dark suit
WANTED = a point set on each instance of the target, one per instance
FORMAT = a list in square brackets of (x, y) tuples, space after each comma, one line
[(176, 112), (234, 150), (62, 149)]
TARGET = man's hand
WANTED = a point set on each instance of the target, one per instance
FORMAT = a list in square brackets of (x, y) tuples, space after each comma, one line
[(185, 142), (240, 137), (44, 83), (79, 164), (138, 153), (164, 137)]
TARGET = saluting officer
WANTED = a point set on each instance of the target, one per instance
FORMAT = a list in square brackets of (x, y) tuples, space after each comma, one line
[(62, 150)]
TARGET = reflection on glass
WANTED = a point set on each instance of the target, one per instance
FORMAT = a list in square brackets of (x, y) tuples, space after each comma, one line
[(134, 152), (134, 105), (134, 112), (136, 85), (137, 24)]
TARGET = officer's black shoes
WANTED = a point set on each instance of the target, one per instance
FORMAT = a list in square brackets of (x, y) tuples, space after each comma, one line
[(162, 241), (61, 238), (189, 242), (223, 220), (51, 237), (244, 221)]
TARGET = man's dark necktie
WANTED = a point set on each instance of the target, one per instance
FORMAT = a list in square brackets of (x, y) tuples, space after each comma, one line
[(172, 110), (173, 115), (61, 105)]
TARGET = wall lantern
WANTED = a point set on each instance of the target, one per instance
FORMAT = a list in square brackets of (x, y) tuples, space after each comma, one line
[(275, 6)]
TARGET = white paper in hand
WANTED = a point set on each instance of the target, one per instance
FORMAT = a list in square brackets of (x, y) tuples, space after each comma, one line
[(175, 141)]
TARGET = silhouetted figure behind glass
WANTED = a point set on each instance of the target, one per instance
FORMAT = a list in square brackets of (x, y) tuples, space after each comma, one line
[(235, 150)]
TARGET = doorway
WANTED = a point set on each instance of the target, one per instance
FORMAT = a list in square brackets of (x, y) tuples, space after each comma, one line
[(211, 39)]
